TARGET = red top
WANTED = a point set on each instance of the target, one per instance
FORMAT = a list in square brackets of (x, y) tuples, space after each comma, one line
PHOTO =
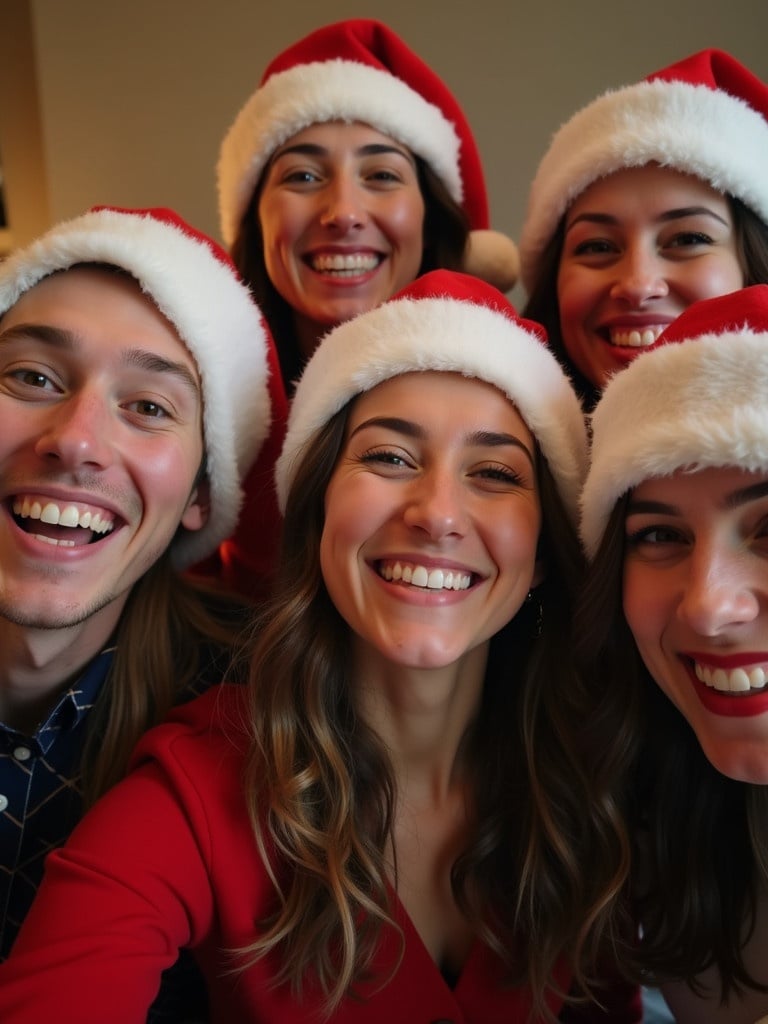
[(167, 859)]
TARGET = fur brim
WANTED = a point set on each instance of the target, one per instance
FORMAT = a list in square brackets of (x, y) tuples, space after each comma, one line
[(336, 90), (214, 316), (693, 129), (691, 405), (407, 335)]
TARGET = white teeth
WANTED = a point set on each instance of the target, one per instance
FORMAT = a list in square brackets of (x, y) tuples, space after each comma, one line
[(429, 579), (66, 515), (350, 263), (737, 680), (635, 337), (55, 543)]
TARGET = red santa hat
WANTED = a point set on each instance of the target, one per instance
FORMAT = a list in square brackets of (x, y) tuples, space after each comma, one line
[(435, 324), (359, 70), (689, 406), (706, 115), (194, 284)]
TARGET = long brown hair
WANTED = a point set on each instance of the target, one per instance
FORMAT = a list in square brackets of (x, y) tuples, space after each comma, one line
[(547, 855), (175, 635)]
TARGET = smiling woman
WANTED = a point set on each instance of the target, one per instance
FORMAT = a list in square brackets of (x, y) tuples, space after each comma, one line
[(674, 630), (412, 806), (648, 199)]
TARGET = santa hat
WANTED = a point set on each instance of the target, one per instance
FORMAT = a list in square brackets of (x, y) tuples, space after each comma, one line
[(689, 406), (359, 70), (194, 284), (453, 323), (706, 115)]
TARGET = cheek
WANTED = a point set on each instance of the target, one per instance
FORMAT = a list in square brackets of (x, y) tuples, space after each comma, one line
[(718, 278), (515, 539), (575, 301), (645, 606), (166, 473)]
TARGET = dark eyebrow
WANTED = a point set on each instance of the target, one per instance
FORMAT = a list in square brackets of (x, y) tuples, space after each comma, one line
[(732, 500), (370, 149), (159, 364), (484, 438), (668, 215), (58, 338)]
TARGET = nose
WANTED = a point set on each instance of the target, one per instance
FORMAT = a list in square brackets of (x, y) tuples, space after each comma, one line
[(344, 207), (718, 593), (76, 433), (639, 277), (436, 506)]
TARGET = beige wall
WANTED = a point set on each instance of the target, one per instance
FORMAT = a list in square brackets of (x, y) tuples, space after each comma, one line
[(133, 96)]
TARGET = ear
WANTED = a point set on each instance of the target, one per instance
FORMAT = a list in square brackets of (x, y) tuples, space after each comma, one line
[(198, 508)]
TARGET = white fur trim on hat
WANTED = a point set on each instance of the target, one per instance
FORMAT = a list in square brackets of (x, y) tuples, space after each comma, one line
[(694, 129), (318, 92), (440, 333), (214, 316), (691, 405)]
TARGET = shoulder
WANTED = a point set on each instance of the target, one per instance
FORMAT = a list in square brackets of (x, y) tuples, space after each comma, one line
[(210, 729)]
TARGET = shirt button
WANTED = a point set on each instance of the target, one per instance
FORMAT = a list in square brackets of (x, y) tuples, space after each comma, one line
[(22, 753), (3, 802)]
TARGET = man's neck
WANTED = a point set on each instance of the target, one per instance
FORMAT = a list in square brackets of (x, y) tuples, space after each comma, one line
[(36, 665)]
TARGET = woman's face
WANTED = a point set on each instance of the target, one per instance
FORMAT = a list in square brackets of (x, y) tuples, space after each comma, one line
[(696, 600), (342, 218), (432, 518), (640, 246)]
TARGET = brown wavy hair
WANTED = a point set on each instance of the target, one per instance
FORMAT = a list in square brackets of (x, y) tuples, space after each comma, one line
[(546, 856), (175, 636)]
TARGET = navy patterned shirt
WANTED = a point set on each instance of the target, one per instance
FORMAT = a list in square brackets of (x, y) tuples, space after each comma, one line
[(40, 798), (40, 804)]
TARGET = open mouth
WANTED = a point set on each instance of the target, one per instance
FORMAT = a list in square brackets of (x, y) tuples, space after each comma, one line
[(344, 265), (634, 337), (425, 579), (743, 680), (60, 524)]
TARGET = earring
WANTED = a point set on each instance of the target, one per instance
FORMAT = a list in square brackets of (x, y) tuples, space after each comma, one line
[(530, 597)]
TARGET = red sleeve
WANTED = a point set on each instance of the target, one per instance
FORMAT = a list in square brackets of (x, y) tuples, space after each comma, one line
[(129, 889)]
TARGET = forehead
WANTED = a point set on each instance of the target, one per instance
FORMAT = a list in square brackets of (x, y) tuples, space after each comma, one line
[(666, 185), (719, 487), (341, 135), (102, 308), (466, 403)]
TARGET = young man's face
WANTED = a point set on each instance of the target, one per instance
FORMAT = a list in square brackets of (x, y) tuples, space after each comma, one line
[(100, 445)]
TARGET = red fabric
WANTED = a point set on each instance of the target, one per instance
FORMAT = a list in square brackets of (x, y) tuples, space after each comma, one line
[(375, 44), (723, 314), (717, 69), (168, 859), (245, 562)]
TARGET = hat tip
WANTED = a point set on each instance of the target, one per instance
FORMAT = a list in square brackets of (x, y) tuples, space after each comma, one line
[(493, 257)]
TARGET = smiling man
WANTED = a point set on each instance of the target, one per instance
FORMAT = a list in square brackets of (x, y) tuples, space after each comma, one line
[(133, 399)]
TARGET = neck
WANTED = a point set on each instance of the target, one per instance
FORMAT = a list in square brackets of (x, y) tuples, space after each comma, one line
[(422, 716), (37, 665)]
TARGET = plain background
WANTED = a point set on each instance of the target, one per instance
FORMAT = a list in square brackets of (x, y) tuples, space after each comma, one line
[(126, 101)]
